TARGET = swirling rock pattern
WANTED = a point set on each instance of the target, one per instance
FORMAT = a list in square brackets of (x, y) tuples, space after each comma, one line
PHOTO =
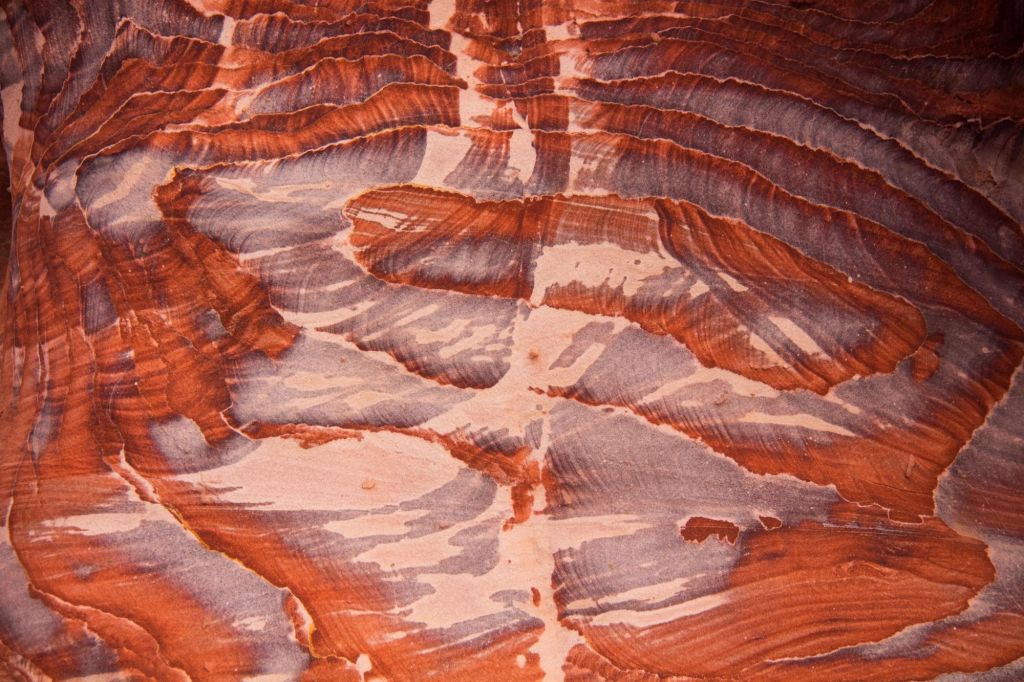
[(512, 339)]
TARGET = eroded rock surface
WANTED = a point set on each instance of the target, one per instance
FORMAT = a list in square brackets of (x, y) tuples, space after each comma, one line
[(512, 339)]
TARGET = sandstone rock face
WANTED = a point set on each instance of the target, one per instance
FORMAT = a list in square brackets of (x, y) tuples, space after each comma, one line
[(512, 339)]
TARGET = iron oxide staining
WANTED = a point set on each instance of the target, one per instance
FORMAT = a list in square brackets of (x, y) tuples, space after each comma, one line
[(638, 266), (699, 529), (466, 340)]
